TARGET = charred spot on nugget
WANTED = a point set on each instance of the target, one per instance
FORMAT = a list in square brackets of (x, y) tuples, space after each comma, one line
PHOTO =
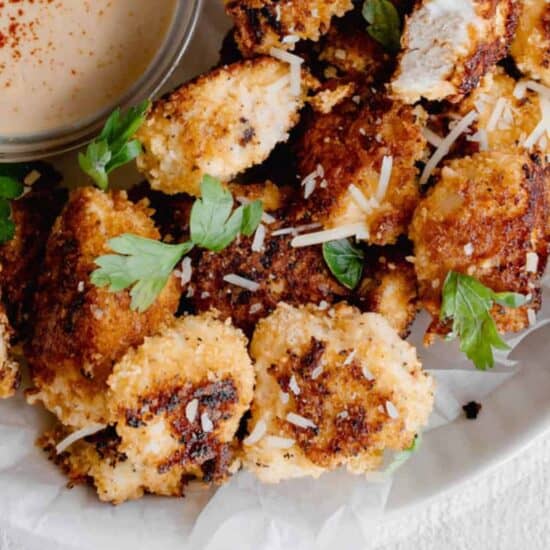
[(80, 330), (348, 149), (333, 388), (487, 217)]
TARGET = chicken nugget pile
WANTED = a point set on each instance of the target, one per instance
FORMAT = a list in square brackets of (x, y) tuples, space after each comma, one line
[(345, 164)]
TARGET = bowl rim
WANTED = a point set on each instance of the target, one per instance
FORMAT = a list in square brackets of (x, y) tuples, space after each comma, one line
[(60, 140)]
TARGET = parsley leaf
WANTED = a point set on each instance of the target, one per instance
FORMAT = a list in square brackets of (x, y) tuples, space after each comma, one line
[(402, 457), (345, 261), (10, 188), (144, 263), (468, 304), (113, 147), (384, 23), (212, 225)]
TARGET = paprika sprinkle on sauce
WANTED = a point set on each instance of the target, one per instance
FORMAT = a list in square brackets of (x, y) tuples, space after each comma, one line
[(64, 61)]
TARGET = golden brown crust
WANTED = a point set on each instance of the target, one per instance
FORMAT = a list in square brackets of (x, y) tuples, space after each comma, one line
[(10, 375), (263, 24), (338, 370), (531, 46), (21, 257), (81, 330), (482, 218), (219, 124), (350, 144)]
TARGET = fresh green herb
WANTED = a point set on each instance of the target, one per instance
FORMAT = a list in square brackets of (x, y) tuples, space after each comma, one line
[(384, 23), (10, 188), (114, 147), (345, 261), (402, 457), (212, 224), (146, 264), (468, 304)]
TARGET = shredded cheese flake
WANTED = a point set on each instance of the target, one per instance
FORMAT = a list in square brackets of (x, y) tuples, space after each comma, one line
[(275, 442), (206, 423), (191, 410), (295, 63), (392, 410), (300, 421), (367, 205), (64, 444), (320, 237), (293, 385), (443, 150), (259, 239), (385, 177), (531, 262), (237, 280), (498, 109), (257, 433)]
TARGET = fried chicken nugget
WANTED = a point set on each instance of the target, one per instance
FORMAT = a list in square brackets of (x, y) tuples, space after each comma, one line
[(333, 389), (219, 124), (10, 376), (176, 403), (531, 46), (485, 217), (263, 24), (349, 146), (449, 46), (81, 330), (518, 116)]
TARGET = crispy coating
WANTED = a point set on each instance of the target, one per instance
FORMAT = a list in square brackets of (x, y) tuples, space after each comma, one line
[(264, 24), (10, 376), (176, 402), (219, 124), (531, 46), (284, 273), (449, 46), (389, 287), (482, 218), (350, 144), (343, 371), (350, 49), (21, 257), (518, 119), (81, 330)]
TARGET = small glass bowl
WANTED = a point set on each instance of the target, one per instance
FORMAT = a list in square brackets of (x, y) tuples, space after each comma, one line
[(61, 140)]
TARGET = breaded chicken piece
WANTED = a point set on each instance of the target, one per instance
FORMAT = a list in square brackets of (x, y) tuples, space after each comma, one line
[(484, 216), (518, 117), (79, 330), (350, 49), (283, 273), (531, 46), (21, 257), (449, 45), (263, 24), (219, 124), (349, 145), (389, 287), (176, 402), (10, 376), (333, 389)]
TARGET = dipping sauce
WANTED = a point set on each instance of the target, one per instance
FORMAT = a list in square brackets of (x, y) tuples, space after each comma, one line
[(64, 61)]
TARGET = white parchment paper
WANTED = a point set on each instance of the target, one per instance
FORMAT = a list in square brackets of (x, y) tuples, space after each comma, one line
[(334, 511)]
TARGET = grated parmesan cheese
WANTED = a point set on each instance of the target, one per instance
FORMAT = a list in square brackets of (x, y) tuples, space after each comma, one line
[(392, 410), (295, 63), (498, 109), (257, 433), (259, 239), (293, 385), (443, 150), (350, 358), (191, 410), (237, 280), (431, 137), (385, 177), (531, 262), (275, 442), (367, 205), (367, 373), (300, 421), (64, 444), (320, 237), (206, 423)]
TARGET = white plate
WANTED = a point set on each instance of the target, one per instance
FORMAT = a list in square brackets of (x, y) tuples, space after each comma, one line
[(40, 513)]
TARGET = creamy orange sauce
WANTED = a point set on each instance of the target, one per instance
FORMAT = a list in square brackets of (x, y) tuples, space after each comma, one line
[(62, 61)]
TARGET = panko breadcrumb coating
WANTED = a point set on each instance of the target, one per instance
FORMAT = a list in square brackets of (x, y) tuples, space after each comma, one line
[(349, 145), (80, 330), (283, 273), (176, 403), (483, 217), (333, 388), (20, 258), (449, 45), (219, 124), (531, 46), (518, 117), (263, 24), (10, 375)]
